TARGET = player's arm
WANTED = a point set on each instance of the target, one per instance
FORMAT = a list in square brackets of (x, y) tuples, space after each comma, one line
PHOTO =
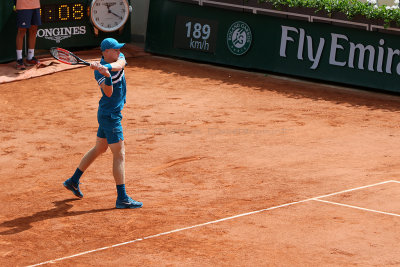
[(117, 65), (106, 85)]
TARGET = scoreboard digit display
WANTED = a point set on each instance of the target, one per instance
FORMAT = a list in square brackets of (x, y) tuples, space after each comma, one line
[(63, 12)]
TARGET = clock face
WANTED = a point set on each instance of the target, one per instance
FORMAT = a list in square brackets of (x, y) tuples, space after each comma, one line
[(109, 15)]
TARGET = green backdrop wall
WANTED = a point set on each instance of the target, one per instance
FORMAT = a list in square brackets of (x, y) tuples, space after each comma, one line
[(7, 30), (254, 41)]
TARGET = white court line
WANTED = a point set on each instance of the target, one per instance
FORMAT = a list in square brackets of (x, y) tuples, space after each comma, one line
[(354, 189), (359, 208), (207, 223)]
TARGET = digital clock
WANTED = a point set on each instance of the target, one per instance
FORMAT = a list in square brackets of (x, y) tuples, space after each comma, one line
[(63, 12)]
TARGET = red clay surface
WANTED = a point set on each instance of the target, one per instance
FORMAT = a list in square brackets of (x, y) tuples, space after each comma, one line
[(202, 143)]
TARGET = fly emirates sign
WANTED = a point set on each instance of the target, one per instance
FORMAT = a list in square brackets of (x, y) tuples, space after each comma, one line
[(342, 51)]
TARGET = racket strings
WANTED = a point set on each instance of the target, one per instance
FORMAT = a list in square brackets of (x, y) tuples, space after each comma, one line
[(64, 56)]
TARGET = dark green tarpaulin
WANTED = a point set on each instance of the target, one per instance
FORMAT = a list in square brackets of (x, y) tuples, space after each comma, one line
[(8, 31)]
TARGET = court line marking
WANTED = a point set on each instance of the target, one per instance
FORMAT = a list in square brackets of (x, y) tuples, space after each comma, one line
[(208, 223), (356, 207)]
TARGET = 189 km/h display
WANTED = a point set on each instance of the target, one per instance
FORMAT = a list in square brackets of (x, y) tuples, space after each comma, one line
[(196, 34)]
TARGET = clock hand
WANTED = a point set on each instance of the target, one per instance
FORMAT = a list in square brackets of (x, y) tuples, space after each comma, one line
[(109, 11)]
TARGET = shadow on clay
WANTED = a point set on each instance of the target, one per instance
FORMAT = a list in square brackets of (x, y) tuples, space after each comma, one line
[(61, 210)]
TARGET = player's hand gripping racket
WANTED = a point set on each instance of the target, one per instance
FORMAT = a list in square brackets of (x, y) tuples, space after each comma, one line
[(67, 57)]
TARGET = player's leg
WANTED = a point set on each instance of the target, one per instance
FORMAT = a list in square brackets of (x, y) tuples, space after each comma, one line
[(32, 36), (72, 183), (19, 44), (118, 150), (24, 18), (35, 22), (100, 147), (112, 129), (20, 41), (123, 200)]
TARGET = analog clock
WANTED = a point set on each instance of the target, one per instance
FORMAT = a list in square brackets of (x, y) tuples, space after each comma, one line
[(109, 15)]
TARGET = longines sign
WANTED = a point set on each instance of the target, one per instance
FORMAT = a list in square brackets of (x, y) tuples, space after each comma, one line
[(58, 34)]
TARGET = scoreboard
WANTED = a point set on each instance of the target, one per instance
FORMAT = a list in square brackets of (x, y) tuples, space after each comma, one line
[(67, 24), (63, 12)]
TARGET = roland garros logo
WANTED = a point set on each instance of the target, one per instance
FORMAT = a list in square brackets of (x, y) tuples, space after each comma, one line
[(239, 38)]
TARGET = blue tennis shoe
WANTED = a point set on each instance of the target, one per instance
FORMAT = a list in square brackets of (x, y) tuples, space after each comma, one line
[(128, 203), (74, 188)]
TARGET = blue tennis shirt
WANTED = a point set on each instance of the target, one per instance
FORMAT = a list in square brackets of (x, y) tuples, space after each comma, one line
[(115, 103)]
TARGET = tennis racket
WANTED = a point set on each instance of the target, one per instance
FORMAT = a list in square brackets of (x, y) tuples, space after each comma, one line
[(67, 57)]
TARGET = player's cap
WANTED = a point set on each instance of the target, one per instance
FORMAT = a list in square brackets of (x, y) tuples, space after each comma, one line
[(110, 43)]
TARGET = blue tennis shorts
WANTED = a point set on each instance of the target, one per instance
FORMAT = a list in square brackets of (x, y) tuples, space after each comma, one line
[(110, 127), (28, 17)]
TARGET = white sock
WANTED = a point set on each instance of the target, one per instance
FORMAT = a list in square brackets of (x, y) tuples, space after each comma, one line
[(31, 54), (19, 54)]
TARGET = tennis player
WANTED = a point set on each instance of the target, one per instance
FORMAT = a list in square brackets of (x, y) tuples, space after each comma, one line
[(109, 73)]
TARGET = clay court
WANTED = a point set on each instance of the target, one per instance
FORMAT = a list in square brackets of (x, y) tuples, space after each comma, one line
[(234, 169)]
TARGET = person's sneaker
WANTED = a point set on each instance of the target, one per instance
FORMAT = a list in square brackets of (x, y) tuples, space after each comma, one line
[(20, 65), (74, 188), (128, 203), (32, 62)]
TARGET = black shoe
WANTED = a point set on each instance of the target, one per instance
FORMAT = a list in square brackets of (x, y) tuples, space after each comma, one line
[(73, 187), (32, 62), (20, 65), (128, 203)]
